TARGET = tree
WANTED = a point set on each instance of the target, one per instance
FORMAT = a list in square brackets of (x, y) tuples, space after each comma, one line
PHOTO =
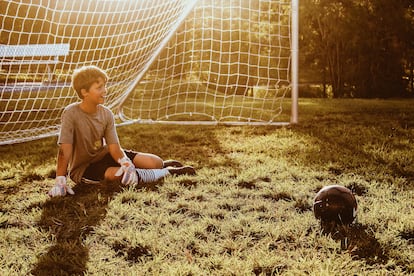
[(378, 48), (324, 38), (361, 46)]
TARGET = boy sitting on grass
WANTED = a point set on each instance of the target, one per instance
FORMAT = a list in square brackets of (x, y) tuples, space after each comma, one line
[(89, 145)]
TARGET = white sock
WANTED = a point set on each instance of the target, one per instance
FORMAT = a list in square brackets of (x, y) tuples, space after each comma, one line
[(151, 175)]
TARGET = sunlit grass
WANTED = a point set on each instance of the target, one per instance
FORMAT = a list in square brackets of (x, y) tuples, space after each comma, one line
[(246, 212)]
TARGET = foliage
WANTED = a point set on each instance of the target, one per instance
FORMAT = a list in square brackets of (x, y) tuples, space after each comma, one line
[(248, 211), (359, 47)]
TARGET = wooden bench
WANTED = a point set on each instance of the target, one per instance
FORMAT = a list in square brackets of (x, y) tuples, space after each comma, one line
[(33, 54)]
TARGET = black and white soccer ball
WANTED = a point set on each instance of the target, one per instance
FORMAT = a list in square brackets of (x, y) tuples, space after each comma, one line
[(335, 204)]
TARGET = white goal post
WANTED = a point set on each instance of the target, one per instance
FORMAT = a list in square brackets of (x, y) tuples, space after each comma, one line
[(169, 61)]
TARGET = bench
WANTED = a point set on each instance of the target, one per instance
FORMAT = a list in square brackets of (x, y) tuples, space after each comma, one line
[(33, 54)]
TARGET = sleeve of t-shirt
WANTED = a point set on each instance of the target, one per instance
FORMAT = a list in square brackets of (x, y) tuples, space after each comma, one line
[(111, 137), (66, 129)]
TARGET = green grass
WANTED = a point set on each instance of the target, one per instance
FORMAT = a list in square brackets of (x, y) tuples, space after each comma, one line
[(248, 211)]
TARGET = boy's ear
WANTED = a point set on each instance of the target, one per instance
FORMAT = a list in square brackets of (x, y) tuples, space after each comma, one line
[(84, 92)]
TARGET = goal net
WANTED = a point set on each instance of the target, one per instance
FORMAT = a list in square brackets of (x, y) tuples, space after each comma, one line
[(168, 61)]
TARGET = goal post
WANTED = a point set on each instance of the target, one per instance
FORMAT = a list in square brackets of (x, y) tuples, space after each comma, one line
[(168, 61), (295, 62)]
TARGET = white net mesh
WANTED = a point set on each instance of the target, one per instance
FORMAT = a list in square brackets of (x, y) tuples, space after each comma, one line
[(169, 61)]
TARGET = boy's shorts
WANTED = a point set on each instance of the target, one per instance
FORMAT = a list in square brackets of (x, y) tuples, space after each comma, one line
[(95, 172)]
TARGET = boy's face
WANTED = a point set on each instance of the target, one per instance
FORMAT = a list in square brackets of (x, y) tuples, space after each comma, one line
[(96, 93)]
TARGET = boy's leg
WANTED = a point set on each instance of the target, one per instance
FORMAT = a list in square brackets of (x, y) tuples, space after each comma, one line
[(151, 175), (149, 166), (110, 174), (144, 175), (107, 167), (151, 161), (147, 161), (96, 172)]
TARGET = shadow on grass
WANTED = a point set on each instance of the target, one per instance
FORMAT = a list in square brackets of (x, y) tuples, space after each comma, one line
[(70, 219), (359, 241)]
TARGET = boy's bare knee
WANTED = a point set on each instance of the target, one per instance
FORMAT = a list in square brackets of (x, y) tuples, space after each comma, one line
[(157, 162), (148, 161), (110, 174)]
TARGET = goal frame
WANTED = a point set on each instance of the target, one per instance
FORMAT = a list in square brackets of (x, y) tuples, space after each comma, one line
[(295, 62)]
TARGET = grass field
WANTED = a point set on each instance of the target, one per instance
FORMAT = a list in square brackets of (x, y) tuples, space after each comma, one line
[(248, 211)]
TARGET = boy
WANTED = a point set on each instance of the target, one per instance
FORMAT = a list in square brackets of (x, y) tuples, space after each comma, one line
[(89, 145)]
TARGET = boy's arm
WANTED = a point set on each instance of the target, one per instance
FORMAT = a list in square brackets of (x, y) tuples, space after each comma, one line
[(64, 154), (60, 188), (116, 151)]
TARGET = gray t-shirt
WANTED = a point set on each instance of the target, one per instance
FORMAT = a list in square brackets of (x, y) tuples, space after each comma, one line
[(89, 134)]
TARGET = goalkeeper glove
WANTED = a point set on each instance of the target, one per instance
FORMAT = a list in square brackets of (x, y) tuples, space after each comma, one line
[(60, 188), (130, 176)]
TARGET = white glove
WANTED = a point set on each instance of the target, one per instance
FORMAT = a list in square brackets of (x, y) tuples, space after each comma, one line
[(60, 188), (130, 176)]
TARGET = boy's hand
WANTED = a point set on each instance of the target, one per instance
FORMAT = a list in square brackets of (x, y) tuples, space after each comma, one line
[(60, 188), (130, 176)]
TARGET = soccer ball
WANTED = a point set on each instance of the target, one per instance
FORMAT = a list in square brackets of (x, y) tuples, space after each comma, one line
[(335, 204)]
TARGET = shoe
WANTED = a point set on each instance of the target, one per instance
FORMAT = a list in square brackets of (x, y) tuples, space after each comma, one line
[(182, 170), (172, 163)]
